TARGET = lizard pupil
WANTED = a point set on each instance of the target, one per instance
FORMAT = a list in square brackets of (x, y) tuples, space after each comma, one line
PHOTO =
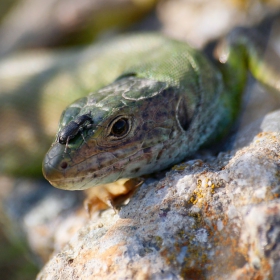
[(120, 127)]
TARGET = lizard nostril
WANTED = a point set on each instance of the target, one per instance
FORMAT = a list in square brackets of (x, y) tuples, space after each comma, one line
[(63, 165)]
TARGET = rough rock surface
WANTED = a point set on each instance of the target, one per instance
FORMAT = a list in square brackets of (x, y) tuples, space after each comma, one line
[(209, 218)]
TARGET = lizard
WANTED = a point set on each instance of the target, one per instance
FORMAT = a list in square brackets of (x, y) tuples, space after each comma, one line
[(162, 102)]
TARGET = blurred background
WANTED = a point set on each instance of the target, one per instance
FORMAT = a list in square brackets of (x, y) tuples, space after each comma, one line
[(39, 42)]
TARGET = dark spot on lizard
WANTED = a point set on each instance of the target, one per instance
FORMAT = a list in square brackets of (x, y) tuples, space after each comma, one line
[(166, 92), (145, 115), (160, 154), (135, 170), (147, 150), (183, 115), (145, 127)]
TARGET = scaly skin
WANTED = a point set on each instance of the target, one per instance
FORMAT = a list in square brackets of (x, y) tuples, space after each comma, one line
[(171, 99)]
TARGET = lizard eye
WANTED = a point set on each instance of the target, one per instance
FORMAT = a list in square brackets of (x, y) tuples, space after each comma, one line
[(120, 127)]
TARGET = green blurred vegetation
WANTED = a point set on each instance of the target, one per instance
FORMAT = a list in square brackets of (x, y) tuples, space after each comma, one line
[(5, 7)]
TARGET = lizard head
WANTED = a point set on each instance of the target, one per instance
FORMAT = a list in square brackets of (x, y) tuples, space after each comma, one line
[(131, 131)]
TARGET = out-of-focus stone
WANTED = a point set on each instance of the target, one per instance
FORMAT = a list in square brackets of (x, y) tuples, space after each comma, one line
[(214, 218), (39, 216), (33, 23), (199, 22)]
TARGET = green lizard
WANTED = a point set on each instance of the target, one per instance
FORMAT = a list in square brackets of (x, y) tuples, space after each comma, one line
[(161, 102)]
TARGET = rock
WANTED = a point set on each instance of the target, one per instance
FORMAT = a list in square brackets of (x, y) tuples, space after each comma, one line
[(199, 22), (209, 218), (33, 23), (39, 216)]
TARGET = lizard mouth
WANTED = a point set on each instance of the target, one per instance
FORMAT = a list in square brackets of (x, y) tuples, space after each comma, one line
[(63, 175), (79, 181)]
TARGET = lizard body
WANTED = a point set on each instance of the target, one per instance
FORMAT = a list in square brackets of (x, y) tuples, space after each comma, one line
[(162, 102)]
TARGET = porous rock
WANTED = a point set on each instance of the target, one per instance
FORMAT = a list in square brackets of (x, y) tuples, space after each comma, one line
[(209, 218)]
